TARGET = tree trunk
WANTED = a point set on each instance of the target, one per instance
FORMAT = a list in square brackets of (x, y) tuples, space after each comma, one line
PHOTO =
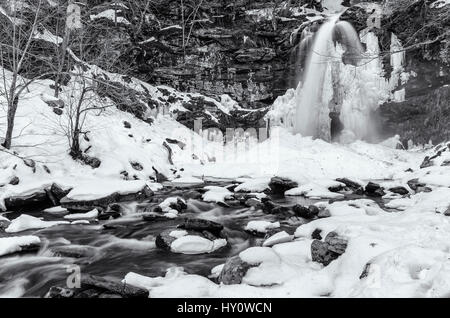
[(11, 116)]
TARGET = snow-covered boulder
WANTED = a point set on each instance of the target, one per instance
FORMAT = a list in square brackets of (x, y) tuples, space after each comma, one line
[(329, 250), (15, 244), (27, 222)]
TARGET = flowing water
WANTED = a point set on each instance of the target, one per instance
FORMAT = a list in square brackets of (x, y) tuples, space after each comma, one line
[(115, 248)]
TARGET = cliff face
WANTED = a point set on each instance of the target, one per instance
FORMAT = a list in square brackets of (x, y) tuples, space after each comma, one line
[(240, 48)]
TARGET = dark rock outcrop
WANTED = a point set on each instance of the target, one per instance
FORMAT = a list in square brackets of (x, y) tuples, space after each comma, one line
[(201, 225), (374, 190)]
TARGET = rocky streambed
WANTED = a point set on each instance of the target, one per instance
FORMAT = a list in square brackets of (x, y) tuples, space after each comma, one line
[(150, 233)]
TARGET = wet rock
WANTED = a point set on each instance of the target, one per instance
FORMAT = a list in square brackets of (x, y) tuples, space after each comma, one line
[(253, 202), (281, 185), (88, 205), (234, 271), (192, 194), (113, 211), (59, 292), (399, 190), (73, 251), (179, 206), (282, 212), (38, 198), (155, 217), (201, 225), (113, 286), (14, 181), (56, 193), (164, 240), (329, 250), (374, 190), (306, 212)]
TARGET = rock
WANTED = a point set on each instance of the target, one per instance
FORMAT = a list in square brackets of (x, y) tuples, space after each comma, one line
[(192, 194), (349, 183), (417, 186), (445, 163), (59, 292), (155, 217), (315, 235), (164, 240), (234, 271), (113, 286), (136, 166), (253, 202), (88, 205), (306, 212), (282, 212), (113, 211), (126, 124), (179, 206), (447, 212), (281, 185), (277, 238), (14, 181), (58, 111), (56, 193), (73, 251), (57, 103), (201, 225), (427, 162), (325, 213), (176, 142), (36, 199), (374, 190), (90, 161), (399, 190), (328, 251)]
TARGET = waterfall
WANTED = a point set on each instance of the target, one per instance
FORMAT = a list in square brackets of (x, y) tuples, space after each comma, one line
[(315, 91), (340, 81)]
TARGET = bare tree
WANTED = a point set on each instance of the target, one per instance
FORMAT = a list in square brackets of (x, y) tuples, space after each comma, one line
[(18, 30)]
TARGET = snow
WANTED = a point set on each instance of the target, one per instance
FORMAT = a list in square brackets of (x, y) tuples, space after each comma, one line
[(253, 185), (216, 194), (261, 226), (278, 238), (57, 210), (27, 222), (14, 244), (82, 216), (165, 205), (317, 189), (101, 189), (178, 234), (193, 244)]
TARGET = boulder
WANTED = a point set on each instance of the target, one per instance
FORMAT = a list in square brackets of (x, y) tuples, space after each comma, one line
[(164, 240), (59, 292), (36, 199), (88, 205), (306, 212), (329, 250), (113, 286), (399, 190), (374, 190), (281, 185), (201, 225), (418, 186), (234, 271), (349, 183), (14, 181)]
